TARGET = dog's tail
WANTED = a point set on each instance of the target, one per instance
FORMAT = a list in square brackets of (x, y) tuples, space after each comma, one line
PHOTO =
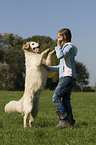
[(14, 106)]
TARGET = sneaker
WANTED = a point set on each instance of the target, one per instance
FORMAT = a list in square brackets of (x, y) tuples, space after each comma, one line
[(63, 123), (70, 120)]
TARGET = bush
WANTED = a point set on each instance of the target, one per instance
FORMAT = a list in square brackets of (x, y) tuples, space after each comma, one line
[(88, 89)]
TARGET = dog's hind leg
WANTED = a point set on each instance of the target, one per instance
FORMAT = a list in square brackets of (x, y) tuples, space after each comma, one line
[(25, 117), (27, 106), (31, 120), (35, 110)]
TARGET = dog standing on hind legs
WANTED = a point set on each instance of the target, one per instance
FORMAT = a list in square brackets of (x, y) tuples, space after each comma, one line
[(35, 81)]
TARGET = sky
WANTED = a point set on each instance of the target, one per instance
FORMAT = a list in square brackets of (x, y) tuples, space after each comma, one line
[(27, 18)]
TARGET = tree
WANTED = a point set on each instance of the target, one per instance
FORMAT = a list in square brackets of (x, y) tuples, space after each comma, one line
[(82, 78), (15, 59), (12, 55), (1, 55), (11, 40), (6, 81)]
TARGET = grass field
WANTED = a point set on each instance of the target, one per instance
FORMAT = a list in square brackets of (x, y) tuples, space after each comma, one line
[(44, 131)]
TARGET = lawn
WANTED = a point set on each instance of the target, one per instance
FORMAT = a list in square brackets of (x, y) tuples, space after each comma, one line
[(44, 131)]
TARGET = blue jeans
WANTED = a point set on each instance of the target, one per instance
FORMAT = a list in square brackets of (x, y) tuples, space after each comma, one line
[(61, 97)]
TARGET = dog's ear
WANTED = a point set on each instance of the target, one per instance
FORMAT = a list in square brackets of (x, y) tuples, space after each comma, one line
[(26, 46)]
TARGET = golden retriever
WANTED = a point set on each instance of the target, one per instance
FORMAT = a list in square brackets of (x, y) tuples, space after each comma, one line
[(35, 81)]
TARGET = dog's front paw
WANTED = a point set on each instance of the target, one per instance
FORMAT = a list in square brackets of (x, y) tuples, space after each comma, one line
[(44, 52), (51, 52)]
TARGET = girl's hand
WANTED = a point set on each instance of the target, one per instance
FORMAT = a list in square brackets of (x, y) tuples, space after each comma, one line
[(59, 41)]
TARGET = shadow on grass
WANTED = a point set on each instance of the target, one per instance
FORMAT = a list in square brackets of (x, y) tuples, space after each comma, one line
[(44, 124), (81, 124)]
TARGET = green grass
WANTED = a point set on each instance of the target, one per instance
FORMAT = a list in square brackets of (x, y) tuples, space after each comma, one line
[(44, 131)]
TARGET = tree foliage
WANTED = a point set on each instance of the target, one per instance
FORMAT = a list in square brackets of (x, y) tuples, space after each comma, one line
[(6, 82), (12, 55), (82, 74)]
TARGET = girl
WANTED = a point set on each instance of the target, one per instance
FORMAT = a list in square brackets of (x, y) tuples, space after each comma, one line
[(66, 52)]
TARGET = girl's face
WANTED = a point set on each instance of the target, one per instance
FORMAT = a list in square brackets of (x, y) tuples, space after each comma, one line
[(62, 39)]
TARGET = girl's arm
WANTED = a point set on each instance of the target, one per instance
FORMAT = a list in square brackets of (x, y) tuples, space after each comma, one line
[(51, 68), (63, 52)]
